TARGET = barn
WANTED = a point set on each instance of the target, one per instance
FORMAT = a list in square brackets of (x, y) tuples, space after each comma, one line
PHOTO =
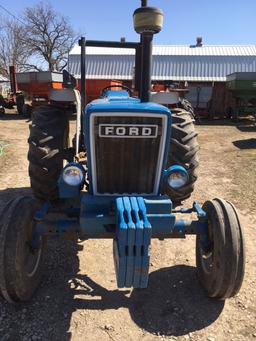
[(203, 68)]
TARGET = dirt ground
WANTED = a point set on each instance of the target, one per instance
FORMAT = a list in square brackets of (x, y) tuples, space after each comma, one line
[(78, 299)]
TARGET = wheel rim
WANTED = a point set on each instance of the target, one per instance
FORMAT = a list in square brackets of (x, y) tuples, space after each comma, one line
[(32, 261), (207, 257), (32, 256)]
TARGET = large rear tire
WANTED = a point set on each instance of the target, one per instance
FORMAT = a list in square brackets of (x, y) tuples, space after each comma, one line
[(183, 151), (221, 266), (20, 101), (187, 106), (47, 141), (20, 265), (27, 110)]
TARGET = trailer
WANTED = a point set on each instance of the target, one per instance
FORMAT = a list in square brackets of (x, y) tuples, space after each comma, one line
[(37, 86), (242, 86)]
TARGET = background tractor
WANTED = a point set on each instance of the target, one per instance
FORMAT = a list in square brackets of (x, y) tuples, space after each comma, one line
[(14, 97), (132, 162)]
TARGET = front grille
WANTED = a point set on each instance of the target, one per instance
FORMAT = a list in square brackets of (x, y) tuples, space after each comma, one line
[(126, 164)]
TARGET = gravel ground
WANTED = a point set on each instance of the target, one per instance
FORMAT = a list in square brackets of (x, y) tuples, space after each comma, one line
[(78, 299)]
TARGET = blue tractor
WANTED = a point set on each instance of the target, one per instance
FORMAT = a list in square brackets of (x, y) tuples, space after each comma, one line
[(132, 162)]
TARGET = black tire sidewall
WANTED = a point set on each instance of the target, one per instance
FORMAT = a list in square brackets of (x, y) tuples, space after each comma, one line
[(18, 222), (212, 280), (227, 273), (47, 141), (20, 101), (183, 151)]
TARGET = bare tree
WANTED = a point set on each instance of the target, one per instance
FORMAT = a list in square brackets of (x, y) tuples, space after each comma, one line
[(49, 35), (13, 49)]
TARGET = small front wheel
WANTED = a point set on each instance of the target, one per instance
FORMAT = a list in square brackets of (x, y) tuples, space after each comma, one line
[(221, 264), (20, 264)]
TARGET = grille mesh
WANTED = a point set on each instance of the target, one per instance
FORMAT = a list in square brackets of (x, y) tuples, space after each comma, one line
[(126, 165)]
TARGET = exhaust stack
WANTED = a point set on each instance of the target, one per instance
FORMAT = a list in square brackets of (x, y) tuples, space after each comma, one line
[(147, 22)]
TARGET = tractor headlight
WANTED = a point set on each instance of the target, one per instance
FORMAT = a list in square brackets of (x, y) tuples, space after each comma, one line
[(73, 175), (177, 177)]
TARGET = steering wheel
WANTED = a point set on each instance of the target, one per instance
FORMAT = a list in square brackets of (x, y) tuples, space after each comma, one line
[(107, 88)]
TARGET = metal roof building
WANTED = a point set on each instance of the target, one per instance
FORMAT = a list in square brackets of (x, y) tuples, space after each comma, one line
[(177, 63)]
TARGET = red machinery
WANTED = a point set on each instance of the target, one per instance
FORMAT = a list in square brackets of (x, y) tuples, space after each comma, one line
[(34, 86), (37, 86)]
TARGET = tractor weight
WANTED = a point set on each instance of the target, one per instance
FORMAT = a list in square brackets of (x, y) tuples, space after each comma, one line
[(221, 268), (20, 265)]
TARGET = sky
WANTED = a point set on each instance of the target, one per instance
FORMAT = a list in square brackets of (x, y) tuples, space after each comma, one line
[(219, 22)]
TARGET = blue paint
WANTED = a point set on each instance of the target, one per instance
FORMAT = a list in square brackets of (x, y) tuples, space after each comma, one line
[(67, 191), (41, 213), (162, 224), (50, 227), (97, 216), (160, 204), (128, 104), (198, 209), (180, 226), (119, 245), (175, 169), (131, 245), (159, 214), (116, 95), (131, 222), (138, 243), (147, 233)]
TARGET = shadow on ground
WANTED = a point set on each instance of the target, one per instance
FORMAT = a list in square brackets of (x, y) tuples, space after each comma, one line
[(245, 144), (247, 128), (244, 124), (173, 304), (12, 117)]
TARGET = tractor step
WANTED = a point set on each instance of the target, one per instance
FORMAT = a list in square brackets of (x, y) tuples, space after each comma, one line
[(132, 243)]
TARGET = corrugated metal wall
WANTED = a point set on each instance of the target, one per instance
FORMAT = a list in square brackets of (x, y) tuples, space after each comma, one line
[(177, 68)]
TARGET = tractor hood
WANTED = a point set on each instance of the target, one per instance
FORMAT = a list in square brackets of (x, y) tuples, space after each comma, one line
[(119, 101)]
